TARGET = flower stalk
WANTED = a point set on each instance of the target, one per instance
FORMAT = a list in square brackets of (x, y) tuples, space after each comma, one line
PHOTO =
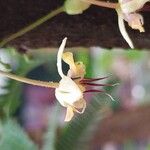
[(29, 81)]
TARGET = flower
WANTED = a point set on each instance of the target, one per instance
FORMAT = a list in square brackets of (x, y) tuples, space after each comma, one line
[(71, 88), (126, 10), (70, 93)]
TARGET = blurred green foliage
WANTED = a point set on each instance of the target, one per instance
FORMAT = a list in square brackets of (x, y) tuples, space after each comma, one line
[(13, 137), (10, 102), (75, 135)]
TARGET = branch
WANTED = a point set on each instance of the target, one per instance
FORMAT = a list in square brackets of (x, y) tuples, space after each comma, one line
[(95, 27)]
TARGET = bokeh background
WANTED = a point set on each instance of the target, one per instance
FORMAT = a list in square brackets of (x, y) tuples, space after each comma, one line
[(31, 118)]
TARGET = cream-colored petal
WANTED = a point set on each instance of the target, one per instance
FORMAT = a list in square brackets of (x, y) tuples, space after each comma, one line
[(123, 29), (59, 57), (136, 21), (81, 70), (80, 104), (68, 58), (69, 113), (68, 91), (137, 27)]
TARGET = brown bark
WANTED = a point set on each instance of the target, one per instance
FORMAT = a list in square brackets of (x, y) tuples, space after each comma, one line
[(124, 125), (95, 27)]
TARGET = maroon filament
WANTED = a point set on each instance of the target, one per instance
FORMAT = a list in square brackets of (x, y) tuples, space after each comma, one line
[(93, 90), (95, 84), (93, 79)]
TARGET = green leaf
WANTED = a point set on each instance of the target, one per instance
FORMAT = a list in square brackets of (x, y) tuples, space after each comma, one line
[(6, 65), (14, 138), (10, 101)]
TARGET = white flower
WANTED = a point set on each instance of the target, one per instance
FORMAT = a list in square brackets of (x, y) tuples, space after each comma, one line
[(69, 93), (127, 11)]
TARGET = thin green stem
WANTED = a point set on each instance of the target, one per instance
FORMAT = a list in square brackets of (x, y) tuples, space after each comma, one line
[(102, 3), (32, 26)]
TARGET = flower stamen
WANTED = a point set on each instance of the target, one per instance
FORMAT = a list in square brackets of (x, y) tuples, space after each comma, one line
[(93, 90), (96, 84), (94, 79)]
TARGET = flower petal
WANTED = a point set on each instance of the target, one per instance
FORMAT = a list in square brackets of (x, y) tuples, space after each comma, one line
[(77, 69), (68, 58), (81, 70), (68, 91), (69, 113), (135, 21), (59, 57), (79, 104), (123, 29)]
